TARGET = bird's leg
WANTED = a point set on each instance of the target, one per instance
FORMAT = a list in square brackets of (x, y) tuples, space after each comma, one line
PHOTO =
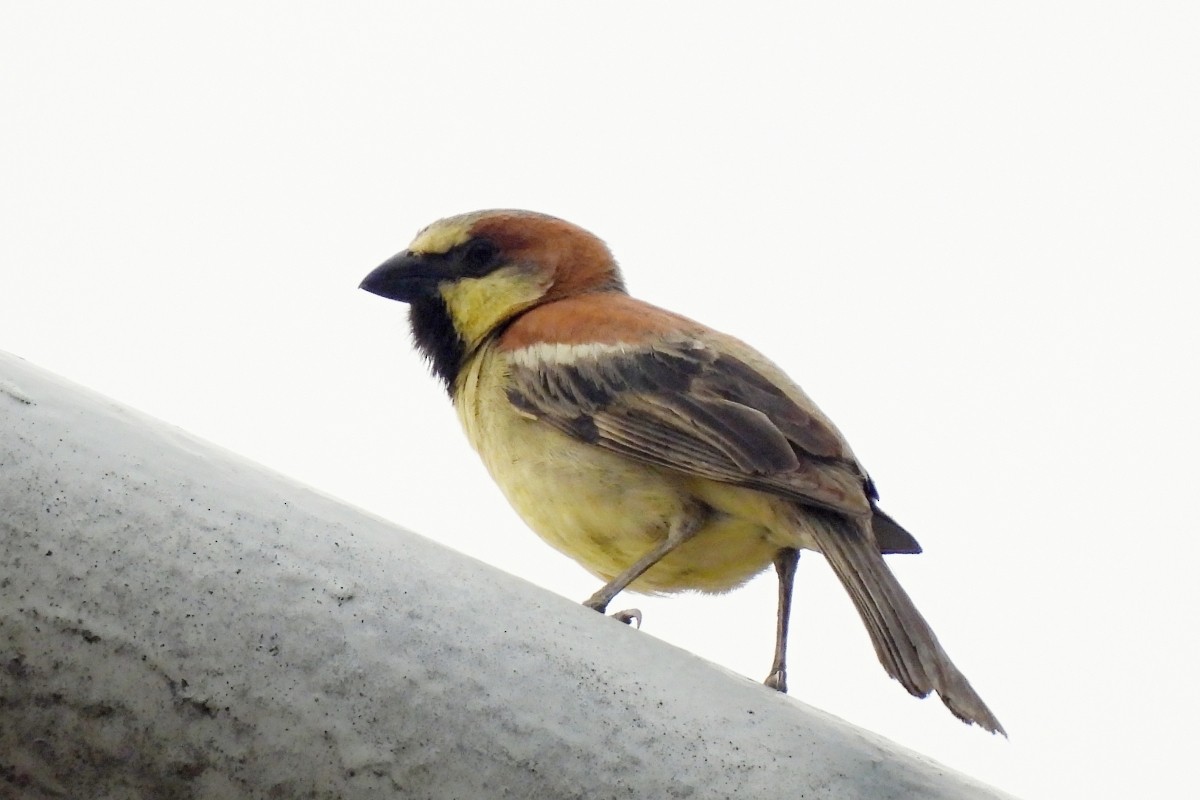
[(785, 565), (679, 533)]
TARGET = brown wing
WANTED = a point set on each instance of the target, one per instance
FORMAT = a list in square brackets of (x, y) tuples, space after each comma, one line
[(701, 409)]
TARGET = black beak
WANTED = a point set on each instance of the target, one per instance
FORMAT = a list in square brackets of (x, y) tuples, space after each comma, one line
[(405, 277)]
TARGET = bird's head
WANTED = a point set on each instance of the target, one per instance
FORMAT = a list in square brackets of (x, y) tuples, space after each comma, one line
[(465, 277)]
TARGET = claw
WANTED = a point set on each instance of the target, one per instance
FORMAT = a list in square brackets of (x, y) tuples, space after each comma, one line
[(777, 680), (629, 615)]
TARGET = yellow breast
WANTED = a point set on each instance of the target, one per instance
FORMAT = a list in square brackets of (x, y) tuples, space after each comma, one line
[(604, 510)]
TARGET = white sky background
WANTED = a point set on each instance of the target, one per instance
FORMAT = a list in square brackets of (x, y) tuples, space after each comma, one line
[(970, 231)]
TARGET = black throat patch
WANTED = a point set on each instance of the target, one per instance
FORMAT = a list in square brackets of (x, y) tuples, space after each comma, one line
[(435, 337)]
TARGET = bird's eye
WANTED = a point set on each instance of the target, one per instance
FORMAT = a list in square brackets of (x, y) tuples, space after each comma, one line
[(479, 255)]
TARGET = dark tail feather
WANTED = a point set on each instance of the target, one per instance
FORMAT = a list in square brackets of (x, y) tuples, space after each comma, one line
[(903, 640), (890, 535)]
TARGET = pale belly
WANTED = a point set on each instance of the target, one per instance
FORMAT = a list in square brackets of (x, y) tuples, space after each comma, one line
[(606, 511)]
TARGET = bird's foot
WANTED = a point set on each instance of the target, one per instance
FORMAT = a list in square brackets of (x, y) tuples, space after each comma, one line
[(628, 616), (777, 680)]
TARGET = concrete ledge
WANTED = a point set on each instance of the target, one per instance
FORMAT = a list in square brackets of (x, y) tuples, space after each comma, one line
[(176, 622)]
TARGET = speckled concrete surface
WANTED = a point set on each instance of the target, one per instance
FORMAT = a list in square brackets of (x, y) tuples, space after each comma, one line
[(177, 622)]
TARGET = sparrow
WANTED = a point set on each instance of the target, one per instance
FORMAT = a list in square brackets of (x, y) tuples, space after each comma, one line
[(660, 454)]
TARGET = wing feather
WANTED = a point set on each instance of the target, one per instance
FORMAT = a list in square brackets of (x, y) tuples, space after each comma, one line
[(698, 409)]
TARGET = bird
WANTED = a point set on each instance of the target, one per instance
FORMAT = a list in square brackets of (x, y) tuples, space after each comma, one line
[(658, 453)]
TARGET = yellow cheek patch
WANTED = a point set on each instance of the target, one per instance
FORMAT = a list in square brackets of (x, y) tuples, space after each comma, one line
[(442, 236), (478, 305)]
